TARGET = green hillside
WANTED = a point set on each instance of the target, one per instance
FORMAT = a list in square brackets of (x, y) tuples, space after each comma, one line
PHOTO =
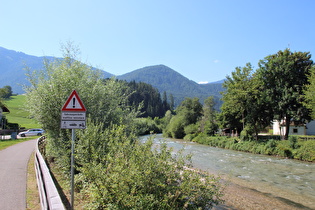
[(18, 114), (166, 79)]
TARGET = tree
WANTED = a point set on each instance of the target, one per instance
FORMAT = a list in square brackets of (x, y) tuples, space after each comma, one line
[(284, 76), (172, 103), (310, 93), (50, 87), (208, 122), (149, 97), (235, 97), (245, 106), (6, 92), (187, 113)]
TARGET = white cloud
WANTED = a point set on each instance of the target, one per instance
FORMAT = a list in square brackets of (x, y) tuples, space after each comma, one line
[(203, 82), (216, 61)]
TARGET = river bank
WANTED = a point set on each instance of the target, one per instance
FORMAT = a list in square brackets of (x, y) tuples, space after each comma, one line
[(253, 181), (239, 196)]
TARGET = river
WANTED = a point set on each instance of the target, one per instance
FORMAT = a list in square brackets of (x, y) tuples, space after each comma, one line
[(287, 179)]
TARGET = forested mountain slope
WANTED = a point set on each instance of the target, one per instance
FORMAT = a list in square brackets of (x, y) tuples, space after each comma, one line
[(166, 79)]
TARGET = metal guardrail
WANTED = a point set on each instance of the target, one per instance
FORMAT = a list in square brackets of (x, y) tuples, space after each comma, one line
[(48, 193)]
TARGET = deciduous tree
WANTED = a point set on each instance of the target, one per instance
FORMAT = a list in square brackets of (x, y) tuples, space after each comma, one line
[(284, 77)]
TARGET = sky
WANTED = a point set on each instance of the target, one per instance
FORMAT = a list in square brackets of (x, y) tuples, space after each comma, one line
[(204, 40)]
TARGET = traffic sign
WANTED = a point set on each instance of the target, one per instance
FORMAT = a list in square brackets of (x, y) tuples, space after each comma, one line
[(73, 117), (73, 103), (73, 113)]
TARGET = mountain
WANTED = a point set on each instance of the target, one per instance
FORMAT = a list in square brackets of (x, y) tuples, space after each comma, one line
[(166, 79), (161, 77), (12, 65)]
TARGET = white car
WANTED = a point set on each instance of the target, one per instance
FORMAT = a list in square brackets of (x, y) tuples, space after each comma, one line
[(32, 132)]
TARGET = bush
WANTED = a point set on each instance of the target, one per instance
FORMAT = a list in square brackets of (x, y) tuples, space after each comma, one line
[(270, 147), (284, 148), (147, 126), (293, 142), (131, 175), (306, 151)]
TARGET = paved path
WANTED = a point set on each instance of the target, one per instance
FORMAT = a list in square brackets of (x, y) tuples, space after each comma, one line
[(13, 175)]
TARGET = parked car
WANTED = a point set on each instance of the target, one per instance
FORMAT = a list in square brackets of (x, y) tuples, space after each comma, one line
[(32, 132)]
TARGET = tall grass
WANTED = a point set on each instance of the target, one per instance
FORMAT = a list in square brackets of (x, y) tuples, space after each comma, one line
[(18, 113)]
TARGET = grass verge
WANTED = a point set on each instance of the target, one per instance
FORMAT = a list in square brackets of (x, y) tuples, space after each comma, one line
[(6, 143), (32, 196)]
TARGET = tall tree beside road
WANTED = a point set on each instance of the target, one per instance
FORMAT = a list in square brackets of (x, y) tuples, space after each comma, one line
[(51, 86), (284, 77)]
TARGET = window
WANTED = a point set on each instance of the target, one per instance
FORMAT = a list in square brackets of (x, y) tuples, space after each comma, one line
[(295, 130)]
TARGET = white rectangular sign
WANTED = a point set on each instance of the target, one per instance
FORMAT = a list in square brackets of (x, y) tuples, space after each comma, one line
[(73, 124), (70, 116)]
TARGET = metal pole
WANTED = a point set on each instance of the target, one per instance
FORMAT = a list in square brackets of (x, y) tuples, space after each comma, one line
[(72, 168)]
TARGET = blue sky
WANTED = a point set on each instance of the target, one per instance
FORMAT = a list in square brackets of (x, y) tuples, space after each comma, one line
[(204, 40)]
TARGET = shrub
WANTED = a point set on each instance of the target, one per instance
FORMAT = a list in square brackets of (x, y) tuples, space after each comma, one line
[(270, 147), (191, 129), (306, 150), (130, 175), (284, 148), (146, 126), (293, 142)]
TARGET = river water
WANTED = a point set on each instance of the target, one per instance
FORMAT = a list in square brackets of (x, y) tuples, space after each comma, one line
[(286, 179)]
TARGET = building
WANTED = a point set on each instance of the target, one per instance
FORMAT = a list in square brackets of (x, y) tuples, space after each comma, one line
[(299, 129)]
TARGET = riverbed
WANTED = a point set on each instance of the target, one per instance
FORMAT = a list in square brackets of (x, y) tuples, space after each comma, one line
[(253, 181)]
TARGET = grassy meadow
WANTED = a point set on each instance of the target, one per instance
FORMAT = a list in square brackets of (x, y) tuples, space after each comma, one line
[(18, 113)]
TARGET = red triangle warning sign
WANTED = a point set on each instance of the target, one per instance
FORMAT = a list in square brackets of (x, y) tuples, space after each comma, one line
[(74, 103)]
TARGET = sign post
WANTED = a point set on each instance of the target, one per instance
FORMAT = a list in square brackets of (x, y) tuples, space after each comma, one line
[(73, 117)]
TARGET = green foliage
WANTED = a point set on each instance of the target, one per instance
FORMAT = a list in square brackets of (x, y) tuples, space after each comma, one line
[(274, 91), (175, 128), (305, 151), (189, 112), (6, 92), (293, 148), (245, 106), (125, 174), (208, 123), (310, 92), (147, 125), (247, 133), (149, 98), (284, 76), (105, 101)]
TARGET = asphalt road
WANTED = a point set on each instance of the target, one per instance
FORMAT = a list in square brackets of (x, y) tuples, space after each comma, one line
[(13, 175)]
